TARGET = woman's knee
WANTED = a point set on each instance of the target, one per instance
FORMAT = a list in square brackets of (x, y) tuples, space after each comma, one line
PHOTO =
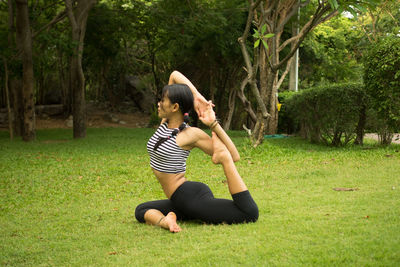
[(252, 213), (140, 211), (247, 205)]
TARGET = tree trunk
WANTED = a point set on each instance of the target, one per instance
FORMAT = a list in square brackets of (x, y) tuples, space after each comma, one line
[(16, 92), (24, 37), (66, 99), (362, 119), (78, 17), (231, 109), (272, 89), (10, 119)]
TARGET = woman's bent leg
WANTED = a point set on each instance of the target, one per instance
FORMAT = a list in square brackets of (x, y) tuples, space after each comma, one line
[(222, 156), (196, 200), (238, 189), (161, 213)]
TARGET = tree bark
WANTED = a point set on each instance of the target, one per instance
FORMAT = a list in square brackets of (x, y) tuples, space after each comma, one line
[(16, 92), (362, 119), (24, 37), (78, 12), (10, 119), (66, 99), (231, 109)]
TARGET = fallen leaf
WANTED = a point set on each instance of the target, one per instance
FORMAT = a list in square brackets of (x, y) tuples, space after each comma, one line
[(112, 253)]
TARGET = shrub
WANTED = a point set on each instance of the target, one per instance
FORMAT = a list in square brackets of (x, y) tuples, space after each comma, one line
[(328, 114), (382, 84), (286, 122)]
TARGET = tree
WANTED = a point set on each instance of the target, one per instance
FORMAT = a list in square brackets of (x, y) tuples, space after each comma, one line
[(18, 52), (329, 53), (378, 22), (78, 12), (273, 52), (24, 39), (382, 83), (197, 39)]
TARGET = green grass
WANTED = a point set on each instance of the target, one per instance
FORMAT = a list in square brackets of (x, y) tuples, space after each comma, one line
[(66, 202)]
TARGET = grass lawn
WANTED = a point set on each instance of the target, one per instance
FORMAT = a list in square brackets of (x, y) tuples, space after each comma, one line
[(66, 202)]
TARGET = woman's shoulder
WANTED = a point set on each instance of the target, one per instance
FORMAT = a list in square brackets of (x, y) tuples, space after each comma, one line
[(192, 131), (191, 135)]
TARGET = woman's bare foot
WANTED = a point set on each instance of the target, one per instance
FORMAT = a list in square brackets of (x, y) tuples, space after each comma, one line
[(169, 222), (221, 153)]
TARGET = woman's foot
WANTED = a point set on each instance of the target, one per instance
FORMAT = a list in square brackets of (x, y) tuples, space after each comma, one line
[(169, 223), (221, 153)]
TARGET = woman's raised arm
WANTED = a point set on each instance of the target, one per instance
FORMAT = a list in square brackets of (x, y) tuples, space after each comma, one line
[(200, 103)]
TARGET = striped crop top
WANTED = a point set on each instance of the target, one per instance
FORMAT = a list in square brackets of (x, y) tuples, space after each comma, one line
[(168, 157)]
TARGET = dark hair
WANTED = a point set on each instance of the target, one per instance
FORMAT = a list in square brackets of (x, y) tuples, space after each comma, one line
[(182, 95)]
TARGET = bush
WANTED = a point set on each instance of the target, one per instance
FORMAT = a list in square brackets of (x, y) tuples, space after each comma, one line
[(382, 84), (328, 114), (286, 123)]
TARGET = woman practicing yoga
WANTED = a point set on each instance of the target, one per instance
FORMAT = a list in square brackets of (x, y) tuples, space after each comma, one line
[(169, 148)]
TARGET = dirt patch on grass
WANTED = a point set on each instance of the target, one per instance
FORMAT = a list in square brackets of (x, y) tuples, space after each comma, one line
[(97, 118)]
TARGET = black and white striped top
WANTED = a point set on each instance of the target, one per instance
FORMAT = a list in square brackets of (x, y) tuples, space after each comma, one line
[(168, 157)]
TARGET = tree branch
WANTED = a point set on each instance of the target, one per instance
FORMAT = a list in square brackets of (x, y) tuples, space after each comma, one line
[(69, 9), (311, 24), (246, 103), (288, 65), (60, 16), (292, 12)]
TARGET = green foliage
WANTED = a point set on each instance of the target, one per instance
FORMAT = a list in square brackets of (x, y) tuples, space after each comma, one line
[(355, 7), (328, 113), (154, 119), (261, 36), (329, 54), (71, 202), (382, 81)]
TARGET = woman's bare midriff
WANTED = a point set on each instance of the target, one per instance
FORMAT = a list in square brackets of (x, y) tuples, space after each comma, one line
[(170, 181)]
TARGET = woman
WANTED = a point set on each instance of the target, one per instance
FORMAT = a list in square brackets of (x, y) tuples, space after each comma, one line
[(169, 148)]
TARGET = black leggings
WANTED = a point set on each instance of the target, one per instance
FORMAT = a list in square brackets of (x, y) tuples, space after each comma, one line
[(195, 201)]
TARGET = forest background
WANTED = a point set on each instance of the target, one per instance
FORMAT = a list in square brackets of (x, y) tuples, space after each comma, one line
[(120, 53)]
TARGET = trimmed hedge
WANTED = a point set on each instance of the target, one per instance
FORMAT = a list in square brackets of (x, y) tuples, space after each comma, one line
[(328, 114)]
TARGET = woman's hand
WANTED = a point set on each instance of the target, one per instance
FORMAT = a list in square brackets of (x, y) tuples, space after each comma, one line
[(207, 116), (201, 104)]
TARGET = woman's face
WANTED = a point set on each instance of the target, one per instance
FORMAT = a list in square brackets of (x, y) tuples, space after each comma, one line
[(165, 107)]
